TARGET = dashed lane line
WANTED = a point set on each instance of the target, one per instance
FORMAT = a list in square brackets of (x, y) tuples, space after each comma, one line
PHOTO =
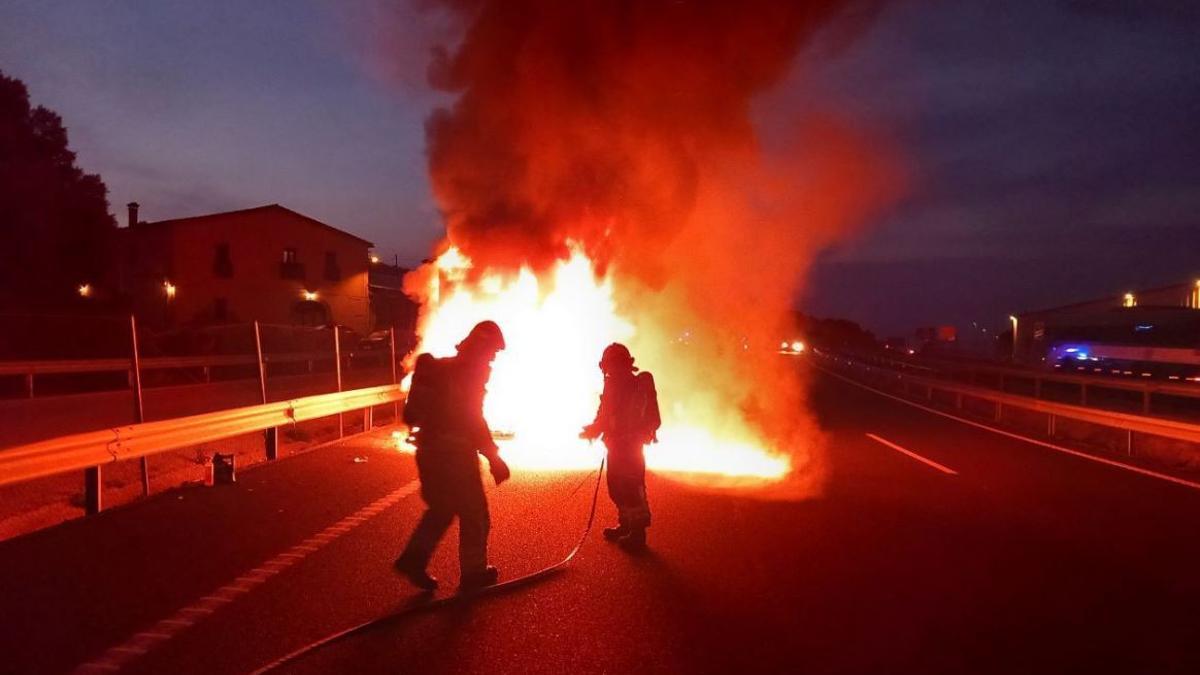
[(116, 658)]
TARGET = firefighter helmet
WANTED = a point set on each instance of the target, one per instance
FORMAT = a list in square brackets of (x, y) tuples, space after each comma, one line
[(485, 336), (616, 357)]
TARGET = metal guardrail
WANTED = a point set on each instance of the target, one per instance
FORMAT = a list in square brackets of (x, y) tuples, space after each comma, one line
[(1129, 423), (971, 372), (96, 448), (91, 450)]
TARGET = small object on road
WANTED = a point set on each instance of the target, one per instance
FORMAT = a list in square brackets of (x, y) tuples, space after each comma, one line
[(360, 460), (223, 468)]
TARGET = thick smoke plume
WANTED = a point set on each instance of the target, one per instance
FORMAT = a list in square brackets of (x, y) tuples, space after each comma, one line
[(625, 128)]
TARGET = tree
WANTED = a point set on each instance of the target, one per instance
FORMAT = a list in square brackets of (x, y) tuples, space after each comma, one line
[(55, 229)]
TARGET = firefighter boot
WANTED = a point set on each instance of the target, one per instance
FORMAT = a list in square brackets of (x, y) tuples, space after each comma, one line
[(415, 573), (478, 580), (616, 533), (635, 541)]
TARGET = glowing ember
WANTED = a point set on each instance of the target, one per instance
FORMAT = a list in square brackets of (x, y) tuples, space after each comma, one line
[(546, 385)]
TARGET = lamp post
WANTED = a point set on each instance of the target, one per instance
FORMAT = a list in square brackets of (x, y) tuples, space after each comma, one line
[(1013, 319)]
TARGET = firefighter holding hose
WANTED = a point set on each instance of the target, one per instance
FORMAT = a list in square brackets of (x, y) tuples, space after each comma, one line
[(445, 410), (627, 420)]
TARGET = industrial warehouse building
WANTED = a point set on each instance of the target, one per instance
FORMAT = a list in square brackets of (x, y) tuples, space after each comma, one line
[(1146, 327), (268, 263)]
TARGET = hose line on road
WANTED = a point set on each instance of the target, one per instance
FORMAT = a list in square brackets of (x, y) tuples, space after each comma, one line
[(427, 605)]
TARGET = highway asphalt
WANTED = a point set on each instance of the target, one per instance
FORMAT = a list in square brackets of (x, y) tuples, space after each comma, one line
[(934, 547)]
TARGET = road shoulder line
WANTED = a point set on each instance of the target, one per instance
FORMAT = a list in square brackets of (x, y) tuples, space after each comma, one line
[(910, 453)]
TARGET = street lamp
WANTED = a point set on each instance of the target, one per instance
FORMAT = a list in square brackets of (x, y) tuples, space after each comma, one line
[(1013, 319), (169, 289), (309, 295), (85, 290), (1130, 300)]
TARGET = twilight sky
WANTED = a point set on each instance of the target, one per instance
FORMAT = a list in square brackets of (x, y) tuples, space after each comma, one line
[(1054, 145)]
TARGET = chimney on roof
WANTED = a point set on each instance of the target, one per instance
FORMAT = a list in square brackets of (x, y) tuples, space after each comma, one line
[(133, 213)]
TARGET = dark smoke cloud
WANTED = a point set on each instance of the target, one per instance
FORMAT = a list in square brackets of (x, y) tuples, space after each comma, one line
[(591, 121), (625, 128)]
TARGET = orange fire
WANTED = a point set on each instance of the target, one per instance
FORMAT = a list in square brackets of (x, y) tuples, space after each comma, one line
[(545, 385)]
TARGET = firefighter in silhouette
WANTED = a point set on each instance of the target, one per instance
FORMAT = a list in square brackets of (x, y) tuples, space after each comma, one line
[(627, 420), (445, 410)]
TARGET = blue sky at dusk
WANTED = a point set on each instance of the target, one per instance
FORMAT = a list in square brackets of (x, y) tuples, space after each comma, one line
[(1054, 144)]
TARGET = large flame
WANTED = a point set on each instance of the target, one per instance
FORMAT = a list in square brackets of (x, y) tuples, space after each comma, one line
[(545, 385)]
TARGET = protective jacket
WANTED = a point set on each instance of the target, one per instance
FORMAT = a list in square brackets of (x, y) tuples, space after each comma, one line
[(445, 409), (445, 404), (627, 419)]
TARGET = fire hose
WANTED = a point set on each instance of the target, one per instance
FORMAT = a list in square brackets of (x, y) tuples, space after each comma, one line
[(449, 600)]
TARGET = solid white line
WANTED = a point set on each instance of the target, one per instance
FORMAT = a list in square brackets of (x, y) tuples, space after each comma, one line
[(1082, 455), (910, 453)]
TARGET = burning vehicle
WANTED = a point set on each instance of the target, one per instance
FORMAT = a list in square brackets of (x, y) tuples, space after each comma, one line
[(602, 179)]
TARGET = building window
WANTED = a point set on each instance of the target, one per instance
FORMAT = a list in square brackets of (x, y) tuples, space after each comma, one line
[(289, 268), (332, 271), (222, 263)]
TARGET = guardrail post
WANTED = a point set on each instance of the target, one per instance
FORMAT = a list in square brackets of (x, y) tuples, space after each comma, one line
[(271, 435), (139, 415), (999, 411), (395, 375), (1129, 442), (91, 490), (1050, 424), (958, 400), (337, 369), (29, 384)]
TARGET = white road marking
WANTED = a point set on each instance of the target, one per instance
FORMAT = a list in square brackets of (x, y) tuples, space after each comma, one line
[(910, 453), (1058, 448), (115, 658)]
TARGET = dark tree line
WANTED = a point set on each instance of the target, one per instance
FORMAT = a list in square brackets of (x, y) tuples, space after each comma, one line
[(55, 228), (835, 334)]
